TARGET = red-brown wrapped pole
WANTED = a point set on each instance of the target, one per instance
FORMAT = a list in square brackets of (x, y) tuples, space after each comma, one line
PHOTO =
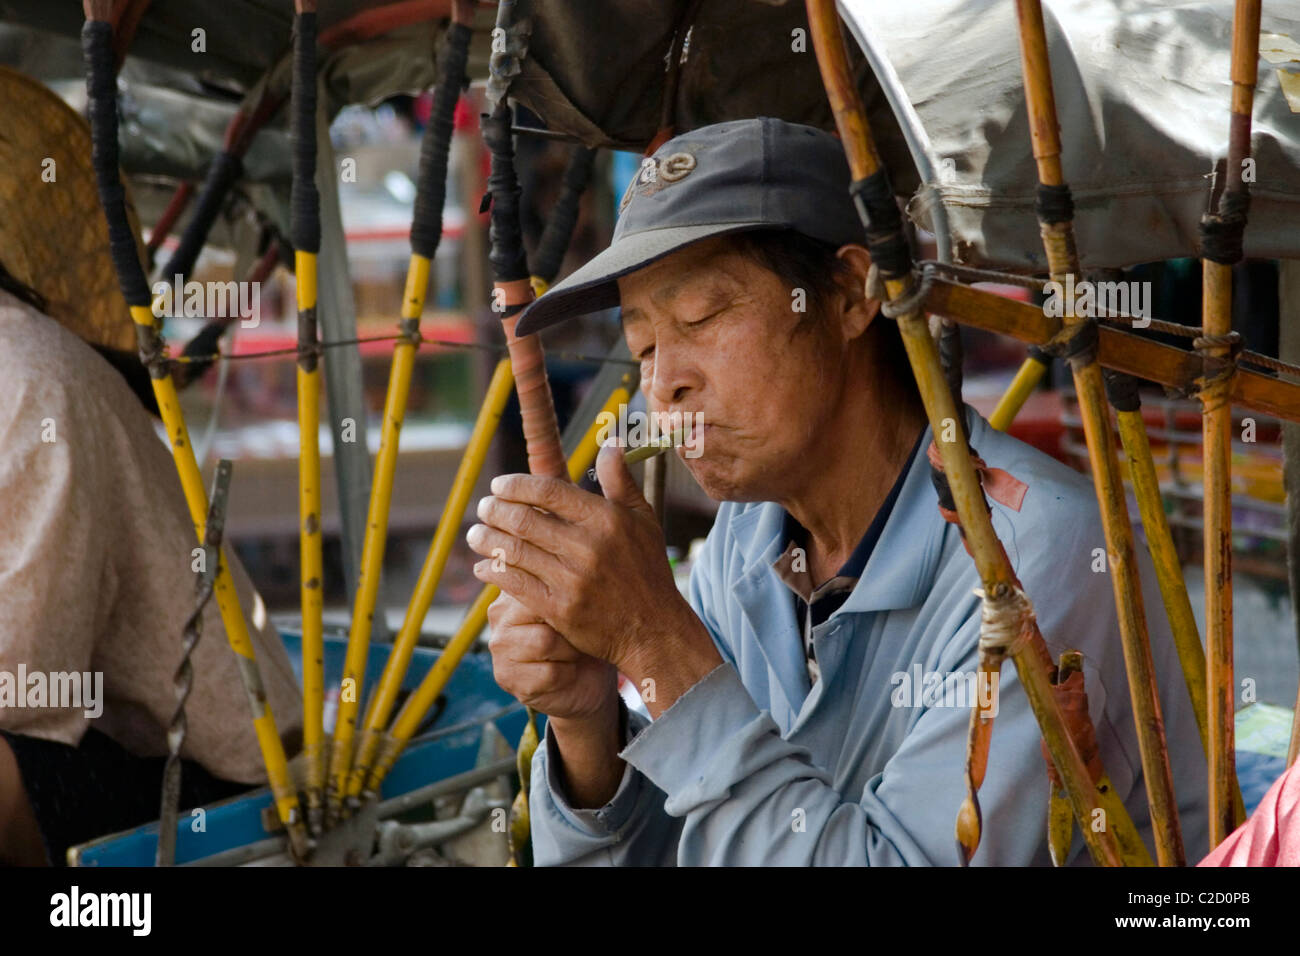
[(511, 292)]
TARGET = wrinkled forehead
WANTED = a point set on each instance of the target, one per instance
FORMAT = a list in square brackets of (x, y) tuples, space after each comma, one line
[(703, 267)]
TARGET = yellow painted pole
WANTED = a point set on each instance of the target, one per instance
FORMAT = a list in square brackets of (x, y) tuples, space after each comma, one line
[(232, 616), (1022, 386), (310, 547), (1027, 649), (305, 230), (423, 698), (1057, 231), (372, 549), (97, 43), (399, 658)]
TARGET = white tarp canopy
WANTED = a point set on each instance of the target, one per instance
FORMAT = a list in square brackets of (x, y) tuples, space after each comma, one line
[(1142, 93)]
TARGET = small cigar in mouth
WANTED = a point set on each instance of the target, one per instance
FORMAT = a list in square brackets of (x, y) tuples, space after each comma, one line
[(655, 448)]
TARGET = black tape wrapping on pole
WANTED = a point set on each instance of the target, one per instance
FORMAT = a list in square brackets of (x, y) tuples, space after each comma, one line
[(226, 168), (879, 213), (891, 254), (1121, 390), (304, 200), (1222, 233), (505, 236), (951, 357), (431, 194), (101, 93), (564, 217), (1054, 204)]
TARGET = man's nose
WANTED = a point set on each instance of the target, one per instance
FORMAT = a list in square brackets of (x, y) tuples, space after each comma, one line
[(674, 376)]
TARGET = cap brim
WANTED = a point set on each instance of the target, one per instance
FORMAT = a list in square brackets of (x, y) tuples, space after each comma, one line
[(594, 287)]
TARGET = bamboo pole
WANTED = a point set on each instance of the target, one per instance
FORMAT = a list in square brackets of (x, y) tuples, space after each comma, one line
[(1033, 664), (1219, 252), (1078, 339), (1031, 372), (426, 234), (1216, 435), (376, 537), (511, 293), (97, 35), (305, 227), (1060, 821), (418, 704), (399, 658), (1169, 573)]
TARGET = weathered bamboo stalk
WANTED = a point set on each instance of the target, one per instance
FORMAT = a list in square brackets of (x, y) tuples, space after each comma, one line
[(1033, 664), (1077, 340), (1221, 242)]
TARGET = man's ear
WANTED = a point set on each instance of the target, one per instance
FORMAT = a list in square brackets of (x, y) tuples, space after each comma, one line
[(860, 310)]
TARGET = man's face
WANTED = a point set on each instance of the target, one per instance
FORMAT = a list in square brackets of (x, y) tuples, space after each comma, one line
[(715, 335)]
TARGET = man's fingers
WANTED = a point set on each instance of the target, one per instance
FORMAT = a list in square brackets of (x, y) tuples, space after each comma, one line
[(533, 681), (529, 590), (616, 481), (531, 644), (561, 498), (524, 521), (507, 550)]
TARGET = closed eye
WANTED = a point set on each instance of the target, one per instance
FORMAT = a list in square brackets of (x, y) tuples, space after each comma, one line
[(711, 315)]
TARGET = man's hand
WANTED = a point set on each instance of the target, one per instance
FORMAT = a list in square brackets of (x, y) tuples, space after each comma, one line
[(531, 661), (595, 570), (578, 692)]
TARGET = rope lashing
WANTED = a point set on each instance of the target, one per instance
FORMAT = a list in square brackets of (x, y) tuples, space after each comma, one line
[(1077, 344), (1218, 369), (1006, 622), (905, 304)]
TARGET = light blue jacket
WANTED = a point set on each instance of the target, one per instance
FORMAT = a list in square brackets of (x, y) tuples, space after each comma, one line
[(753, 767)]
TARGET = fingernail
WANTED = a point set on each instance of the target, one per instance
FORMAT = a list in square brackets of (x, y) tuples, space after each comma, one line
[(497, 484)]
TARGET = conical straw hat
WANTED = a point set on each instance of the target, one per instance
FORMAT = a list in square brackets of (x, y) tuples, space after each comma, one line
[(53, 236)]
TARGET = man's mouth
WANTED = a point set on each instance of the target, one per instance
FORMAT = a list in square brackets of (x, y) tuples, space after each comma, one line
[(693, 439)]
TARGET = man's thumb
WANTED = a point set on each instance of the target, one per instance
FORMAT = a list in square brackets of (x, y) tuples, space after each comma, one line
[(616, 481)]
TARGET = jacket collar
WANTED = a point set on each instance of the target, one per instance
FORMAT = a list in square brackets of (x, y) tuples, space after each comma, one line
[(900, 572)]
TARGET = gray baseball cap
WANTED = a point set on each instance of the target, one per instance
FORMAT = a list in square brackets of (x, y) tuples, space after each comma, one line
[(736, 176)]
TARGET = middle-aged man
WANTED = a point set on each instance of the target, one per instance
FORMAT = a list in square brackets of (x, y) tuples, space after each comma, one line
[(788, 725)]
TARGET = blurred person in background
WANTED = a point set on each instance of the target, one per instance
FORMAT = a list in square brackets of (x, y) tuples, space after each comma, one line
[(96, 539)]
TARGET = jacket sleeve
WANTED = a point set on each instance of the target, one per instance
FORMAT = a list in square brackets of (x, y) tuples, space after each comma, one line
[(749, 797), (631, 830)]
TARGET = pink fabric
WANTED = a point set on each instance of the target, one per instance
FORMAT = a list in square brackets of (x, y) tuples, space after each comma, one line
[(1271, 837), (1002, 486)]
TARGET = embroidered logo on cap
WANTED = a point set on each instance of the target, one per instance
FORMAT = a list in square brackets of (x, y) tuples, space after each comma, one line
[(656, 173)]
